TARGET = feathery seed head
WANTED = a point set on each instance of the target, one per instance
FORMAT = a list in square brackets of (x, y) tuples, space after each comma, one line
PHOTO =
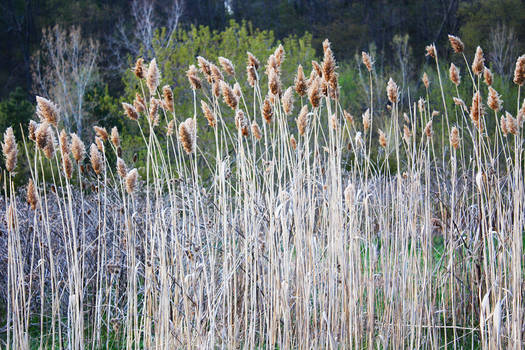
[(487, 76), (267, 110), (431, 51), (131, 180), (382, 138), (95, 159), (32, 130), (193, 77), (101, 132), (301, 85), (121, 168), (479, 62), (139, 68), (9, 149), (392, 91), (425, 80), (167, 95), (253, 61), (241, 123), (228, 96), (287, 101), (293, 142), (314, 92), (210, 116), (519, 71), (366, 120), (31, 195), (77, 148), (302, 120), (227, 66), (47, 111), (256, 131), (188, 135), (153, 77), (454, 74), (454, 137), (131, 112), (494, 101), (456, 43), (367, 61), (115, 138)]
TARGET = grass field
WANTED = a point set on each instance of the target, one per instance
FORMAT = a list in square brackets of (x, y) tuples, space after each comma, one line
[(297, 225)]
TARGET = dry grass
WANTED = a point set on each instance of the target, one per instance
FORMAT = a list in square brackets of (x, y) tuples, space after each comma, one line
[(282, 247)]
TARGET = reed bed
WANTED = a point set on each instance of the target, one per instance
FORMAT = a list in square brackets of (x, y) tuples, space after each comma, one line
[(286, 230)]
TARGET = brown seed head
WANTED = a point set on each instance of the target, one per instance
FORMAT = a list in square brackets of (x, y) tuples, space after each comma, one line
[(139, 68), (503, 125), (77, 148), (392, 91), (476, 109), (293, 142), (425, 80), (204, 67), (31, 128), (167, 95), (302, 120), (241, 123), (216, 73), (314, 92), (251, 75), (122, 169), (454, 74), (210, 116), (193, 77), (512, 125), (267, 110), (519, 72), (487, 75), (367, 61), (237, 90), (131, 112), (188, 135), (431, 51), (329, 65), (456, 43), (479, 62), (274, 82), (153, 77), (256, 132), (366, 120), (227, 66), (67, 166), (154, 111), (64, 144), (115, 137), (253, 61), (9, 149), (348, 117), (407, 134), (287, 101), (382, 138), (428, 129), (47, 111), (101, 132), (300, 82), (32, 196), (279, 54), (131, 180), (454, 137), (494, 101), (50, 143), (95, 159), (228, 96), (170, 128), (461, 103)]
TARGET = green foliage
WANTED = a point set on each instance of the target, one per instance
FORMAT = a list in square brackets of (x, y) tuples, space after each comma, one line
[(15, 111), (233, 43)]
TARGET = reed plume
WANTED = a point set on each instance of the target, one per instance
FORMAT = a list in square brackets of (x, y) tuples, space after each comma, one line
[(153, 77), (382, 138), (302, 120), (293, 142), (77, 148), (348, 117), (314, 93), (95, 159), (503, 126), (227, 66), (454, 137), (63, 143), (300, 83), (210, 116), (31, 195), (101, 132), (392, 91), (251, 75), (170, 128), (31, 128), (167, 96), (10, 150), (228, 96), (425, 80), (512, 125), (115, 137), (428, 129), (253, 61), (193, 77), (204, 67), (256, 131), (139, 103), (216, 73), (287, 101), (494, 100), (47, 111), (241, 123), (67, 166), (367, 119), (50, 143), (274, 82), (454, 74), (487, 76), (476, 109), (267, 110), (430, 51), (139, 68), (479, 62), (188, 135), (367, 61), (407, 134), (456, 43), (329, 65), (122, 169), (131, 112), (131, 180), (519, 71)]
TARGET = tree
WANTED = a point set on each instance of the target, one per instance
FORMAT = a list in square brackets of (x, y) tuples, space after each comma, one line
[(64, 70)]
